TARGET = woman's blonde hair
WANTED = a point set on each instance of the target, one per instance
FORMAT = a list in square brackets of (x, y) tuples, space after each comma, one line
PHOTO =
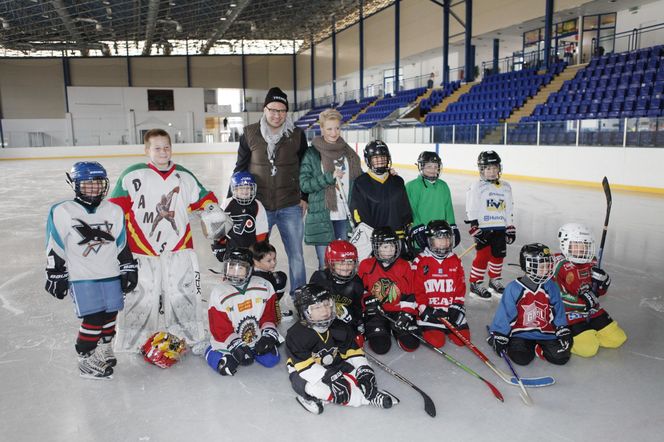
[(329, 114)]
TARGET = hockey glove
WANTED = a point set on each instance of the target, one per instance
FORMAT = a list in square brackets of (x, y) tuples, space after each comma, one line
[(478, 235), (432, 315), (241, 352), (405, 322), (510, 234), (280, 280), (129, 275), (366, 379), (457, 234), (600, 278), (219, 250), (227, 365), (372, 306), (588, 297), (57, 282), (417, 237), (267, 342), (338, 384), (564, 336), (498, 342), (456, 314)]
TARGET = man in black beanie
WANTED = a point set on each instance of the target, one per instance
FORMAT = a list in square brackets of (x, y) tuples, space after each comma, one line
[(271, 150)]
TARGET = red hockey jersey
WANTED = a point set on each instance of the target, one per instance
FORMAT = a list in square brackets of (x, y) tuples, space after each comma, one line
[(438, 283), (392, 286)]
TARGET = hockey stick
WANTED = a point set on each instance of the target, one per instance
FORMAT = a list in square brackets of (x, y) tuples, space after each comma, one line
[(607, 194), (524, 394), (467, 251), (529, 382), (342, 194), (468, 370), (429, 406)]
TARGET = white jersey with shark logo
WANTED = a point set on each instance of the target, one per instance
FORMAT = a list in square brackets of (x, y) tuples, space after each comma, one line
[(88, 241)]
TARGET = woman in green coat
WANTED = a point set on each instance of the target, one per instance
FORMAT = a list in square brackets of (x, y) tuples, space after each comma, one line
[(328, 161)]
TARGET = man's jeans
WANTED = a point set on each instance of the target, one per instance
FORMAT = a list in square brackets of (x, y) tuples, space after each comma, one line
[(290, 223), (340, 232)]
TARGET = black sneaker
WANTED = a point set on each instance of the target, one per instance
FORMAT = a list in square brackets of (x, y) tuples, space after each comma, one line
[(496, 287), (479, 292)]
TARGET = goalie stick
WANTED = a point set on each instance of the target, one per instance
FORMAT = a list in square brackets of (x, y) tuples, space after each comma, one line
[(525, 397), (468, 370), (429, 406), (529, 382)]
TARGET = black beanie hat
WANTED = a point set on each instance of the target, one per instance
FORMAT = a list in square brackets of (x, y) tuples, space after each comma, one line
[(276, 94)]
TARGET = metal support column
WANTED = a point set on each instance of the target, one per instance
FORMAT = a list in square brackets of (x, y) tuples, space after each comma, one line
[(334, 62), (66, 80), (396, 45), (361, 49), (313, 64), (548, 25), (496, 47), (244, 81), (294, 77), (470, 61), (446, 41)]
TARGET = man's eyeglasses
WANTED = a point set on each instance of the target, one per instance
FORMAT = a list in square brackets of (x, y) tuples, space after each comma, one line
[(276, 111)]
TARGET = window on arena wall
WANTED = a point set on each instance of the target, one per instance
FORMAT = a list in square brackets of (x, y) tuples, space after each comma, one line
[(169, 47)]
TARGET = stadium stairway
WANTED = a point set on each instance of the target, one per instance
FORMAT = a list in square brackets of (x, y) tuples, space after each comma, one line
[(415, 111), (453, 98), (496, 135), (363, 111)]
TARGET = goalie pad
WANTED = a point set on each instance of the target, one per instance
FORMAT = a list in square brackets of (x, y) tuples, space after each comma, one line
[(215, 222), (163, 349), (361, 239)]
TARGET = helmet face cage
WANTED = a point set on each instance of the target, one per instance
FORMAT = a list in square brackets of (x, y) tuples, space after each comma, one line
[(386, 247), (319, 315), (537, 262), (236, 271), (343, 253), (437, 250), (429, 158), (89, 181), (377, 149), (243, 188), (576, 243)]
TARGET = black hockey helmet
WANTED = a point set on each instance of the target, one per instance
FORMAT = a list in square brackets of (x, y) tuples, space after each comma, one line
[(439, 229), (427, 157), (237, 266), (486, 159), (316, 307), (381, 237), (377, 148), (536, 261), (88, 171)]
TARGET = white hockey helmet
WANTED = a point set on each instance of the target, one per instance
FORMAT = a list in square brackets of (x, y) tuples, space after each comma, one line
[(576, 243)]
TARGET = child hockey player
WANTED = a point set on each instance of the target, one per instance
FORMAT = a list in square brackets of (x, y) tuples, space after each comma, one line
[(440, 286), (388, 283), (248, 215), (378, 198), (581, 283), (530, 318), (89, 259), (340, 278), (429, 196), (242, 318), (156, 198), (489, 211), (265, 261), (325, 364)]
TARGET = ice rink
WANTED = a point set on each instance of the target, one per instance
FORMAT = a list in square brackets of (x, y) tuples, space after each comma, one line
[(617, 395)]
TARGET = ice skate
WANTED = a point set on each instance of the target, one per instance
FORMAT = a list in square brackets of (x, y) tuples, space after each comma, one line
[(496, 287), (312, 405), (479, 292), (91, 366), (384, 399), (105, 351)]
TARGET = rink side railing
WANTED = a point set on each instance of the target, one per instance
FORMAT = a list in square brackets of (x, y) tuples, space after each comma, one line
[(614, 132)]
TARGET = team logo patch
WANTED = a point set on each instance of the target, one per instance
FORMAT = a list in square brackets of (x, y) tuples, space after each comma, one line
[(93, 235), (569, 279), (246, 305), (535, 315), (425, 270), (164, 210), (244, 223), (385, 290), (325, 356), (248, 329)]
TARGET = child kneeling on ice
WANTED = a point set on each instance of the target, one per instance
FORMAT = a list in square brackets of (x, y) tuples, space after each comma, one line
[(325, 363)]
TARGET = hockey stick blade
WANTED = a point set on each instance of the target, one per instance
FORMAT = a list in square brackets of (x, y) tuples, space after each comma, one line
[(429, 406), (534, 382)]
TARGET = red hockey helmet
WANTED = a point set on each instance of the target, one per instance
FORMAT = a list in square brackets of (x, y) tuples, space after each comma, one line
[(341, 259)]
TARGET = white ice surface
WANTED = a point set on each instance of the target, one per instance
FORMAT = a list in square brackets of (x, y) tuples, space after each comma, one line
[(617, 395)]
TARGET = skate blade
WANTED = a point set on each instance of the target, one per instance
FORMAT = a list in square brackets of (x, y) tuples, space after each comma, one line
[(97, 378), (474, 296)]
